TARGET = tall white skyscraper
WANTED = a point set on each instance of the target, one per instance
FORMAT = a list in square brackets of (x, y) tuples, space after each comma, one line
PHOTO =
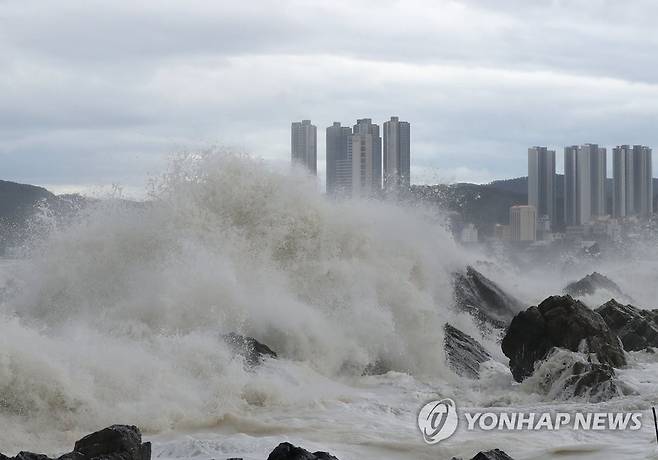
[(354, 159), (632, 181), (339, 161), (584, 183), (366, 153), (571, 186), (304, 145), (397, 155), (622, 181), (642, 181), (598, 171), (541, 182)]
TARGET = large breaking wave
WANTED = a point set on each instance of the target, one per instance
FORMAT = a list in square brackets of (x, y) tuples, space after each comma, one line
[(118, 317)]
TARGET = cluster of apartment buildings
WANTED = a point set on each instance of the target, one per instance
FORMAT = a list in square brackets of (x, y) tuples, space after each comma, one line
[(356, 165), (586, 203)]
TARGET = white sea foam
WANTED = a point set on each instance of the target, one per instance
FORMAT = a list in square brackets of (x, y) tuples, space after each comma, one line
[(118, 318)]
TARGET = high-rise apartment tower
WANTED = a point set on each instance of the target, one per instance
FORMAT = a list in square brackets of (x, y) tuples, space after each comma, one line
[(541, 182), (304, 145), (397, 155)]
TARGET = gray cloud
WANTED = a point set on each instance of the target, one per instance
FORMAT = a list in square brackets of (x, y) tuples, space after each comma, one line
[(100, 92)]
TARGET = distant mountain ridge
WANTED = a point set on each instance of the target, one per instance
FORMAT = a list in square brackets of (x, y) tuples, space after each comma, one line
[(17, 200), (20, 202), (481, 204), (516, 185)]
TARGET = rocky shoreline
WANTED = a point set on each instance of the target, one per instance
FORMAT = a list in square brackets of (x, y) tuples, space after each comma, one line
[(124, 442), (569, 349)]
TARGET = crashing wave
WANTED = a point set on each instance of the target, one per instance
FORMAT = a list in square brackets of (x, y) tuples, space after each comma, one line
[(120, 315)]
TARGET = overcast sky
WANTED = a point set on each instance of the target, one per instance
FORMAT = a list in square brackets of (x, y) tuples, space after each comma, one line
[(100, 92)]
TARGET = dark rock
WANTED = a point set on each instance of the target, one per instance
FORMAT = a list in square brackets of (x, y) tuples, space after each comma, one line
[(320, 455), (120, 441), (379, 367), (464, 354), (30, 456), (593, 379), (559, 321), (249, 348), (565, 374), (286, 451), (637, 329), (590, 284), (117, 442), (495, 454), (484, 299)]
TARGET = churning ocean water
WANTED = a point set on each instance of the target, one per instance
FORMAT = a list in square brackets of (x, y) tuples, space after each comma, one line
[(119, 316)]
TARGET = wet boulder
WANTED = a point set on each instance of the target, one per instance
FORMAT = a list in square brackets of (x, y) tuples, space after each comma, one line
[(464, 354), (286, 451), (121, 442), (117, 442), (484, 299), (637, 329), (495, 454), (559, 321), (249, 348)]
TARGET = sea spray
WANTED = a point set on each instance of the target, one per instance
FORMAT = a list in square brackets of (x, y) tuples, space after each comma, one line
[(119, 315)]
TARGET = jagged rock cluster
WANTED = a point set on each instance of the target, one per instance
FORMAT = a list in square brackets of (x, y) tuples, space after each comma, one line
[(558, 322), (637, 329), (561, 346)]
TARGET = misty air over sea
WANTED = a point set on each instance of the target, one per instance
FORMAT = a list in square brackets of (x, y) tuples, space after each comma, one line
[(118, 317)]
